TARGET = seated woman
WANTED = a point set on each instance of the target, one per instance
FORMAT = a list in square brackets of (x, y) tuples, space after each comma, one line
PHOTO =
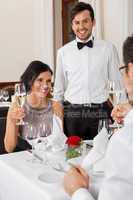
[(38, 107)]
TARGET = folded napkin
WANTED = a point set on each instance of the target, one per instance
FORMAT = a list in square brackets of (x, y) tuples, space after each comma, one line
[(100, 141), (57, 139), (97, 153)]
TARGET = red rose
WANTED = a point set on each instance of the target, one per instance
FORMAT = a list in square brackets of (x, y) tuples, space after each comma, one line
[(73, 140)]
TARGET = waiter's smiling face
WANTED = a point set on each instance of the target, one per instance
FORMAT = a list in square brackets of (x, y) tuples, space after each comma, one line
[(82, 25)]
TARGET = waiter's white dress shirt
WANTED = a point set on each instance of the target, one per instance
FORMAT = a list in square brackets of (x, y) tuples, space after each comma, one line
[(81, 75), (118, 181)]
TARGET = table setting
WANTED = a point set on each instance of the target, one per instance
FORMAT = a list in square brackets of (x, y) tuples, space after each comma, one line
[(38, 180), (39, 174), (4, 97)]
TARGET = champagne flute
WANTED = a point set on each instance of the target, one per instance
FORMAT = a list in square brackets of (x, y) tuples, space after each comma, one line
[(115, 96), (114, 93), (20, 93)]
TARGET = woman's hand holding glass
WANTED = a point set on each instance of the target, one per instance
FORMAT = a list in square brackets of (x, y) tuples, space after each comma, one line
[(16, 113)]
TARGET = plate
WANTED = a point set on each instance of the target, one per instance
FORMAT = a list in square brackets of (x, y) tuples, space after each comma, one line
[(50, 177)]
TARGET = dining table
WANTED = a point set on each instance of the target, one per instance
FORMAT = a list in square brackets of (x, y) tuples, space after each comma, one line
[(24, 177)]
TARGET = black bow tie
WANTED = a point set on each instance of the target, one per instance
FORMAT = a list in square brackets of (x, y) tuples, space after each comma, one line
[(89, 44)]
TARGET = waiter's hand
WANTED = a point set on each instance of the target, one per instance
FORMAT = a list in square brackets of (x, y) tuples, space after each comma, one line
[(74, 179), (120, 111)]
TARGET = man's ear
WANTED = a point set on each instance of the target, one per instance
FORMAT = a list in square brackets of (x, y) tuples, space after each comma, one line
[(94, 22), (130, 70)]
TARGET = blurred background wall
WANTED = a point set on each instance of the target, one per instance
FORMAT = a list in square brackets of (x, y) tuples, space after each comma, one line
[(32, 29)]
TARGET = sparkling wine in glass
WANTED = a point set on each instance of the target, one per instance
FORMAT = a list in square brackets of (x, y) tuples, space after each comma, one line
[(20, 94), (114, 94)]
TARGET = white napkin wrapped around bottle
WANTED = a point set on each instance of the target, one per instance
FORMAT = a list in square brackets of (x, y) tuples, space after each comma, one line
[(95, 157), (57, 139)]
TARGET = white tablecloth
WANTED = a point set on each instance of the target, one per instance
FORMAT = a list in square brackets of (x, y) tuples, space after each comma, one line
[(5, 104), (19, 180)]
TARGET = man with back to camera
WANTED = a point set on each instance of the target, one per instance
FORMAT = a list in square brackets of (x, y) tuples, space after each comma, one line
[(84, 67), (118, 179)]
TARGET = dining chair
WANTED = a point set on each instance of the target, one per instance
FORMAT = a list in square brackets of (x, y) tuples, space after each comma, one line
[(2, 134)]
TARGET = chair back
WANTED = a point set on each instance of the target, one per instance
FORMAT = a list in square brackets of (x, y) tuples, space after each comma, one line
[(2, 134)]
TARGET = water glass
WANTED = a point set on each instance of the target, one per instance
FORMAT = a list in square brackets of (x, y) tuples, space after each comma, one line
[(32, 137), (5, 95), (1, 95)]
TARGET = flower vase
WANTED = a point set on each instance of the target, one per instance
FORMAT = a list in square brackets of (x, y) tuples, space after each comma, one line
[(73, 151)]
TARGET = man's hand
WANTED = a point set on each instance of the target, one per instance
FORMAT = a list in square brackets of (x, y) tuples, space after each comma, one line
[(120, 111), (74, 179)]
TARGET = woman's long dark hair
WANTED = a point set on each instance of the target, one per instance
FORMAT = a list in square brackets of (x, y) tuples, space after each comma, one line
[(32, 72)]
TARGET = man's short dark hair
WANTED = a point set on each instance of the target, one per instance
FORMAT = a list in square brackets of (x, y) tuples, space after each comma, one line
[(128, 50), (81, 6)]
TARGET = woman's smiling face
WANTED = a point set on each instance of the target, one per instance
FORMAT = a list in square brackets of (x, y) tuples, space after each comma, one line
[(42, 84)]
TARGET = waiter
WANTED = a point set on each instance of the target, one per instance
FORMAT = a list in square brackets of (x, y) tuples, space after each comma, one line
[(84, 67)]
